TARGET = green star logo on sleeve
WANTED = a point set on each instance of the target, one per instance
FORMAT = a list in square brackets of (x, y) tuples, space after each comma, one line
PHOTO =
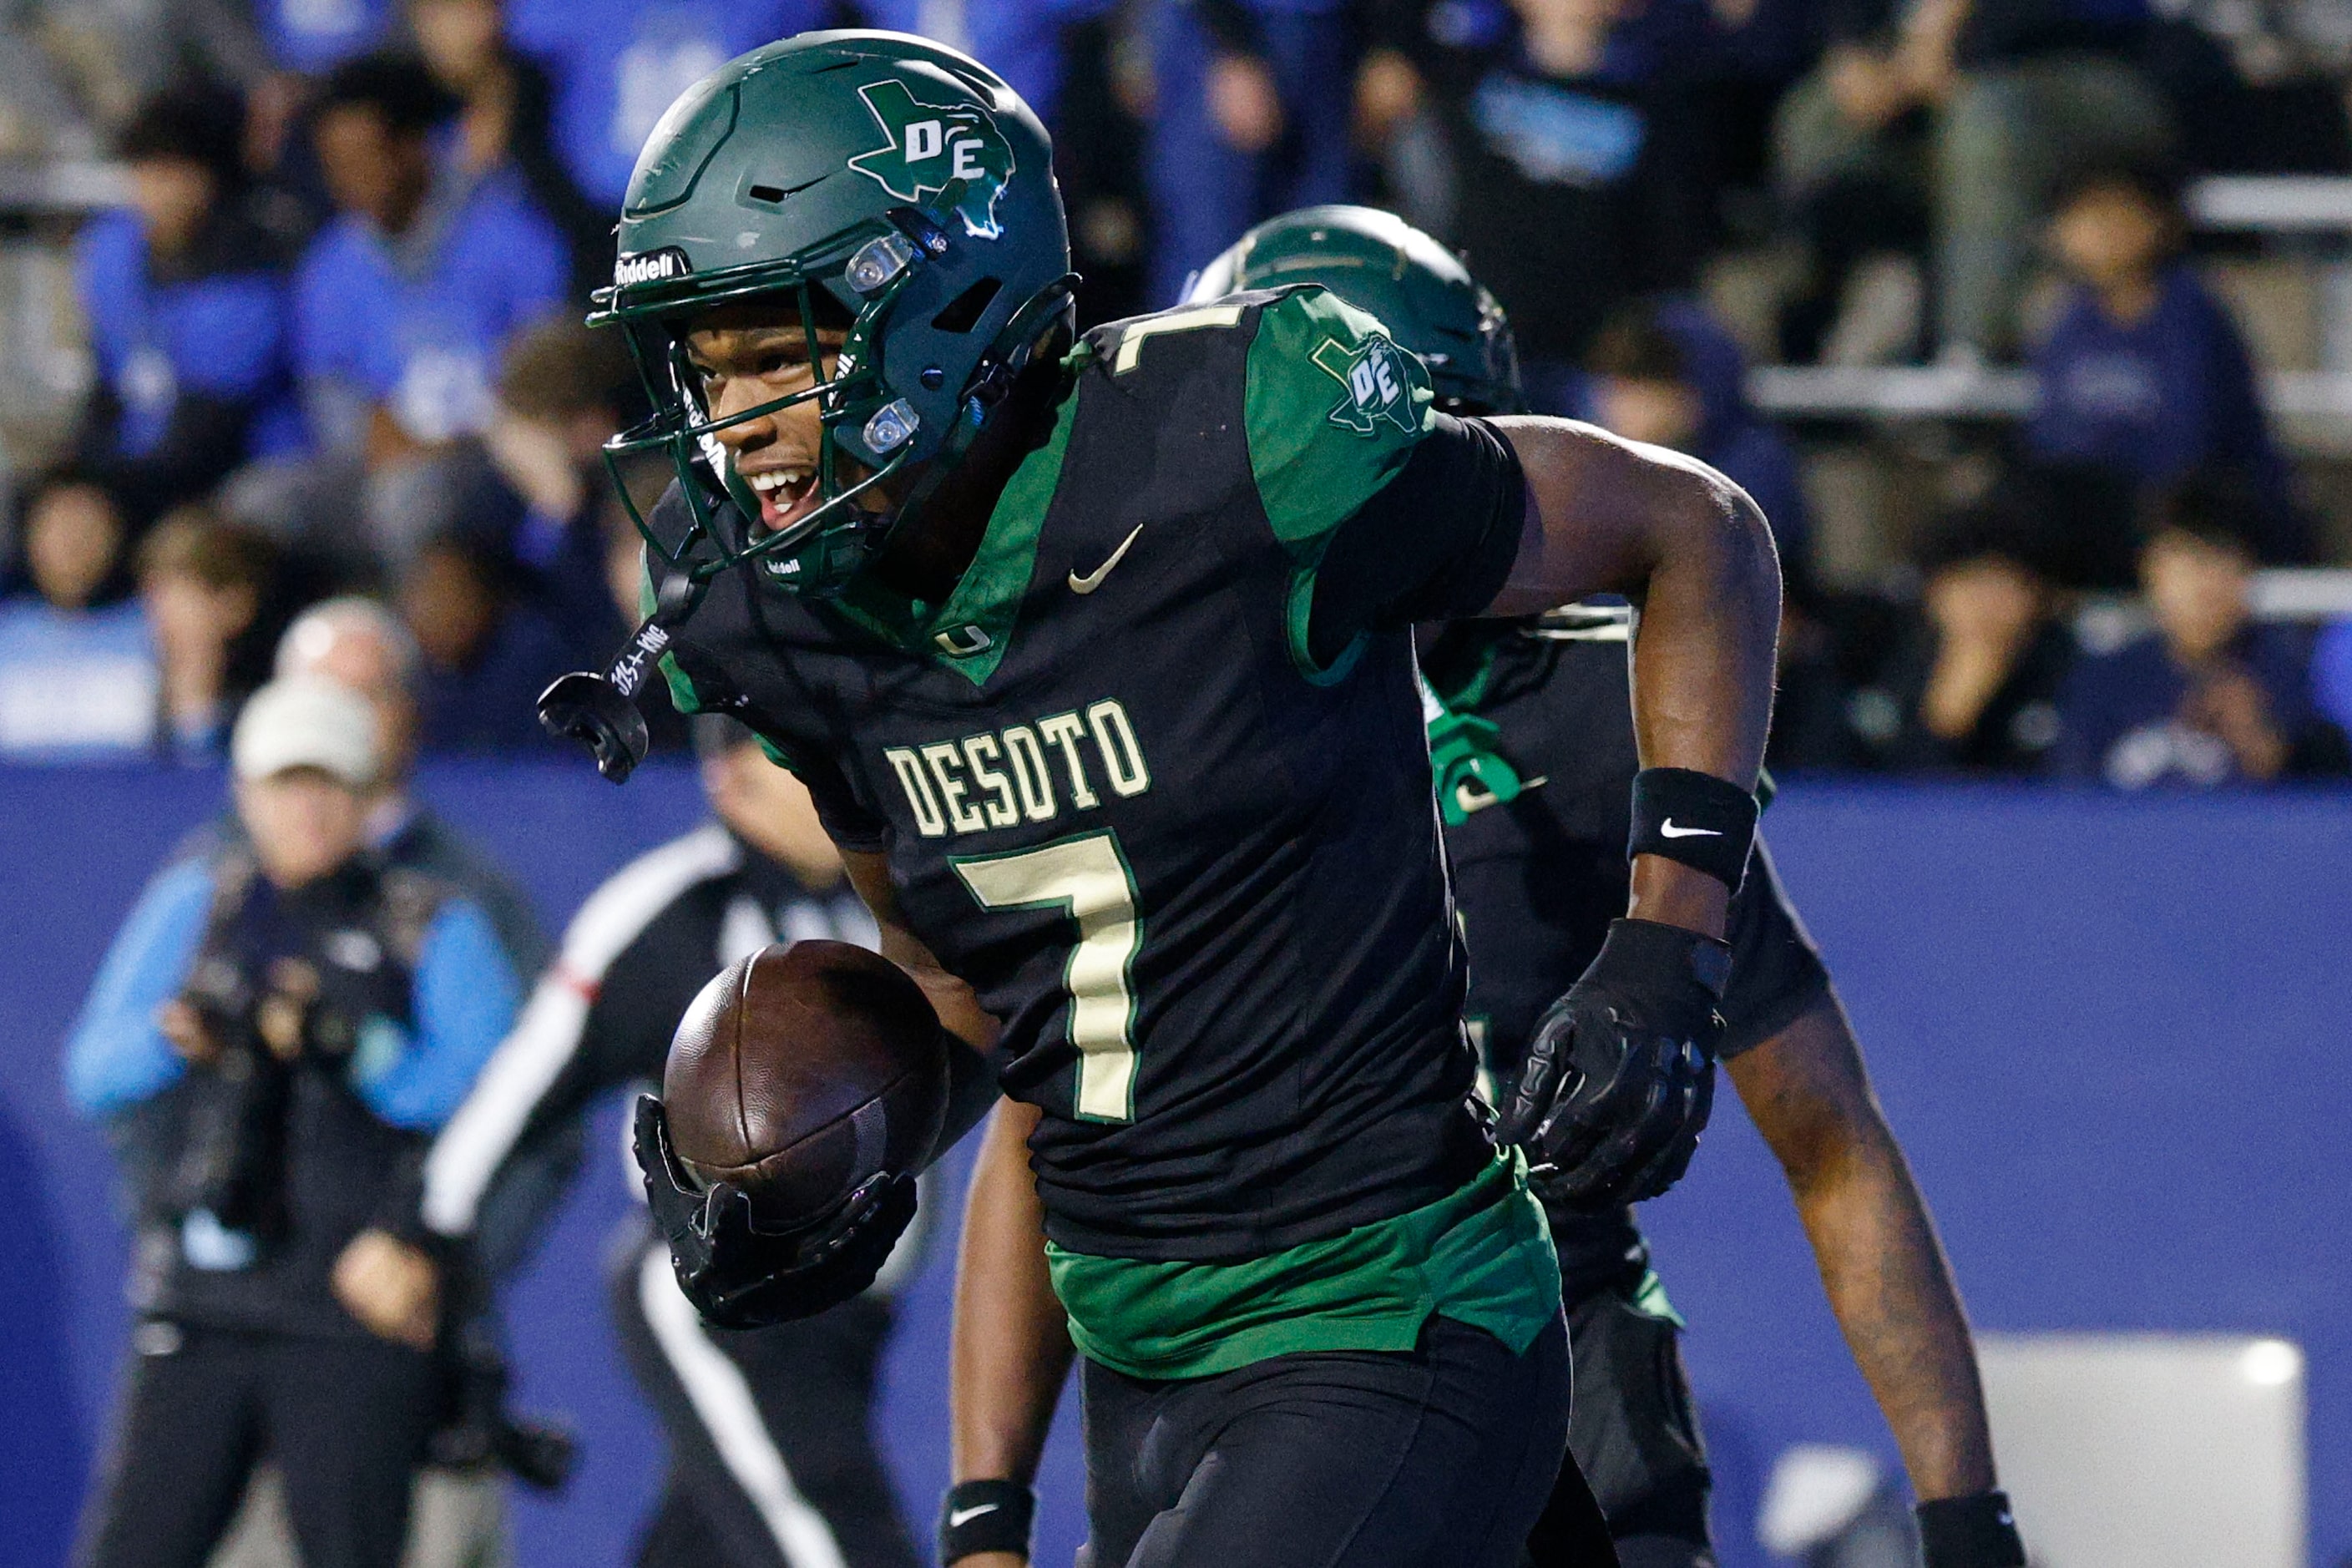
[(931, 147), (1379, 377)]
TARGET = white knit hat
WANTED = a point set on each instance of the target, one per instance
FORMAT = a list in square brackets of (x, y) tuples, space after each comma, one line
[(306, 722)]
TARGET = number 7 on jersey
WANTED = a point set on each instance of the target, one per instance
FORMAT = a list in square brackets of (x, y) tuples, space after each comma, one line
[(1088, 879)]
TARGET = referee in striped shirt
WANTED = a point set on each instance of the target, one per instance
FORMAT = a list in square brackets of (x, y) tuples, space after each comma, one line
[(772, 1463)]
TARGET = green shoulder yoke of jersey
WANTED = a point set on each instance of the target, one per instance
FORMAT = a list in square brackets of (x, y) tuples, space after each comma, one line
[(971, 631), (1333, 408)]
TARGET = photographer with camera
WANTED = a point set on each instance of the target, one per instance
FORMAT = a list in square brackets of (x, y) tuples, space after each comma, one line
[(292, 1020)]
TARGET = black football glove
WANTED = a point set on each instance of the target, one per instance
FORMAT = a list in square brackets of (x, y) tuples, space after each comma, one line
[(741, 1277), (1620, 1076)]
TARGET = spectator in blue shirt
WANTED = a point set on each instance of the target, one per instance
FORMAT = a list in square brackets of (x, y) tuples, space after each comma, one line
[(1579, 170), (287, 1022), (187, 301), (2144, 373), (618, 64), (1251, 118), (2210, 697), (1020, 40), (505, 116), (402, 301), (77, 665), (562, 390)]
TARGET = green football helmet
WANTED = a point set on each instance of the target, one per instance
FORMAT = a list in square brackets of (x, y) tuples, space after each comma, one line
[(1415, 286), (870, 178)]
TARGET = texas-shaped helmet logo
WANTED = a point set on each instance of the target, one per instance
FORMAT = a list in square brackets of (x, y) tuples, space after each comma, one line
[(933, 145), (1380, 378)]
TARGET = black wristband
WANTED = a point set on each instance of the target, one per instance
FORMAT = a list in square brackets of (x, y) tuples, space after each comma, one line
[(1973, 1532), (985, 1516), (1704, 822)]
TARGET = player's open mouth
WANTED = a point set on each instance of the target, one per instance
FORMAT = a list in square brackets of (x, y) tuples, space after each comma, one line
[(786, 495)]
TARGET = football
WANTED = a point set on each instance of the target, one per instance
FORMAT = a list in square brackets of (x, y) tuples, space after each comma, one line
[(802, 1071)]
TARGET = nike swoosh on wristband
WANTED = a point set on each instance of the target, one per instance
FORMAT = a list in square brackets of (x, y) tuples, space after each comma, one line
[(1094, 579), (1667, 829), (960, 1517)]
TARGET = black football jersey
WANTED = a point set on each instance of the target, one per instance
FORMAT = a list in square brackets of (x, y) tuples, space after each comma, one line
[(1538, 879), (1195, 871)]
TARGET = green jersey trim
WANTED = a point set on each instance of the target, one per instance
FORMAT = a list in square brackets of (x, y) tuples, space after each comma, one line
[(1298, 621), (1649, 1298), (1332, 408), (1481, 1255), (970, 632)]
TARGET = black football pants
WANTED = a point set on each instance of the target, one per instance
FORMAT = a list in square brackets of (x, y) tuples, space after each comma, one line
[(772, 1463), (344, 1420), (1634, 1438), (1440, 1457)]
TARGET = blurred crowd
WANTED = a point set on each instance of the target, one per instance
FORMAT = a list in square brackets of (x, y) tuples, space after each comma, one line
[(335, 350)]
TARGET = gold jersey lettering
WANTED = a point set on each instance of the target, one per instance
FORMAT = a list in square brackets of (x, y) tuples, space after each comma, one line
[(1123, 757), (1003, 778), (944, 758), (978, 751), (926, 805), (1062, 730)]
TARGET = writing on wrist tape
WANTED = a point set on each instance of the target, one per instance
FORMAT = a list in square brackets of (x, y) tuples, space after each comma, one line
[(985, 1516), (1702, 821)]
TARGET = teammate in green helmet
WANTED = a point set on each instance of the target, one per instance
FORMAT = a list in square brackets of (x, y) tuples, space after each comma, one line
[(1541, 703), (1404, 279), (1097, 660)]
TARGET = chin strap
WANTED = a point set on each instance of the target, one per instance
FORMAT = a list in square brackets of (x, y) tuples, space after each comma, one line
[(601, 711)]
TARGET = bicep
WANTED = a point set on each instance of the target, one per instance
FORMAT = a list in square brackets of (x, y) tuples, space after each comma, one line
[(1598, 510)]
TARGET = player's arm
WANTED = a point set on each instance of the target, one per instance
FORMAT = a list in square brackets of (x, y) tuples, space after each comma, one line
[(1404, 515), (1619, 1078), (972, 1083), (1689, 548), (1011, 1352), (1885, 1271)]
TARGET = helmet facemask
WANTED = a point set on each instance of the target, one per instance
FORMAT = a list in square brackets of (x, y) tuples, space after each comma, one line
[(868, 421), (856, 407)]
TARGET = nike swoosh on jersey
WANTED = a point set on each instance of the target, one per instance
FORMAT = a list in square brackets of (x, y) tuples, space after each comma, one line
[(962, 1515), (1094, 579), (1668, 830), (1473, 804)]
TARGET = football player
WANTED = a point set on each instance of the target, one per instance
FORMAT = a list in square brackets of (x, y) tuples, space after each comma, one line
[(1533, 755), (1095, 654)]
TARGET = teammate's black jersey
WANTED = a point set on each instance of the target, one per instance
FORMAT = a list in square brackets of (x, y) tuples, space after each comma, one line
[(602, 1015), (1195, 871), (1537, 880)]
